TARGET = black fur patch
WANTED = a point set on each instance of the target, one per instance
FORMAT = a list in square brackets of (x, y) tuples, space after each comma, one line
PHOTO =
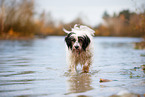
[(68, 40), (86, 42)]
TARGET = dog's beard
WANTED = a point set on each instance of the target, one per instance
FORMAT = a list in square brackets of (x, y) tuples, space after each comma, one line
[(77, 51)]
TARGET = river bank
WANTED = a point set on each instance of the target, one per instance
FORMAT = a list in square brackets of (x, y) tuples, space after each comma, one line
[(140, 45), (13, 36)]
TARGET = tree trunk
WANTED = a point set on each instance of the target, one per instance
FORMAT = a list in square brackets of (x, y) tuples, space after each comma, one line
[(2, 16)]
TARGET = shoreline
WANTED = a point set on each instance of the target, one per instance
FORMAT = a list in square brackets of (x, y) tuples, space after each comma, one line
[(137, 45), (140, 45)]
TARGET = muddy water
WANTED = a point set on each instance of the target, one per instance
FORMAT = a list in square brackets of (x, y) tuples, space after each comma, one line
[(37, 68)]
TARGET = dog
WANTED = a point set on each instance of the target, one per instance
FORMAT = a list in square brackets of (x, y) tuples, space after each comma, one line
[(79, 43)]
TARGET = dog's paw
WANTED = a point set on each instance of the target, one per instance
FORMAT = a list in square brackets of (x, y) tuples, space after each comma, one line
[(85, 69)]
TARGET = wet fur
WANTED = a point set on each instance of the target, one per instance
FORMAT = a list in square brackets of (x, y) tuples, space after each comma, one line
[(85, 54)]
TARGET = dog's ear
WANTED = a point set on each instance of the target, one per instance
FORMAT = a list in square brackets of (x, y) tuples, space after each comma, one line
[(66, 31), (68, 41), (86, 42)]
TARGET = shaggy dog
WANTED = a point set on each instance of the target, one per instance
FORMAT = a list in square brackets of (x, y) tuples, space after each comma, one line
[(79, 43)]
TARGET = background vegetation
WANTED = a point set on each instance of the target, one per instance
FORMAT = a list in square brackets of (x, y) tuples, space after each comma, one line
[(126, 23), (18, 21)]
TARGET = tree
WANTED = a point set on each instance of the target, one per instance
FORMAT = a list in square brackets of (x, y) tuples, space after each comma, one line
[(126, 14), (105, 15), (1, 16)]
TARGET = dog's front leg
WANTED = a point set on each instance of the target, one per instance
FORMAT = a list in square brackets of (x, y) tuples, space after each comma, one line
[(73, 68), (86, 67)]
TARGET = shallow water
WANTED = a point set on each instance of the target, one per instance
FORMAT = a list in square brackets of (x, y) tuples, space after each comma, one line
[(38, 68)]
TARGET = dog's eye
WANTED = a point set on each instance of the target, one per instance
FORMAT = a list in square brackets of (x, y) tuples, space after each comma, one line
[(80, 39), (73, 40)]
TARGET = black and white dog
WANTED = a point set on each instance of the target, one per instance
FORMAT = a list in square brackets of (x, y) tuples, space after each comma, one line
[(79, 47)]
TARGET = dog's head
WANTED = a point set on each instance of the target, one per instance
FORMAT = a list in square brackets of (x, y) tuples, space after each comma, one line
[(79, 38)]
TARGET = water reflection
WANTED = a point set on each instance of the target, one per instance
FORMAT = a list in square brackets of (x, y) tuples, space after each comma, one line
[(79, 83), (16, 82), (18, 73), (35, 68)]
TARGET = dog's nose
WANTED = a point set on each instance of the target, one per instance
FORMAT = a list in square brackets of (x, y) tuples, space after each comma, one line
[(76, 47)]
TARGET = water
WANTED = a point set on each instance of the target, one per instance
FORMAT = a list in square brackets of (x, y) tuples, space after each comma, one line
[(38, 68)]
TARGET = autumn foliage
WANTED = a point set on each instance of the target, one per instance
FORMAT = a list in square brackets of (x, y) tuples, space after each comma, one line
[(17, 20), (126, 23)]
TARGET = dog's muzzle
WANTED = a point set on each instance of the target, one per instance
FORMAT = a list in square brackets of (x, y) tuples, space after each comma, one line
[(77, 47)]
